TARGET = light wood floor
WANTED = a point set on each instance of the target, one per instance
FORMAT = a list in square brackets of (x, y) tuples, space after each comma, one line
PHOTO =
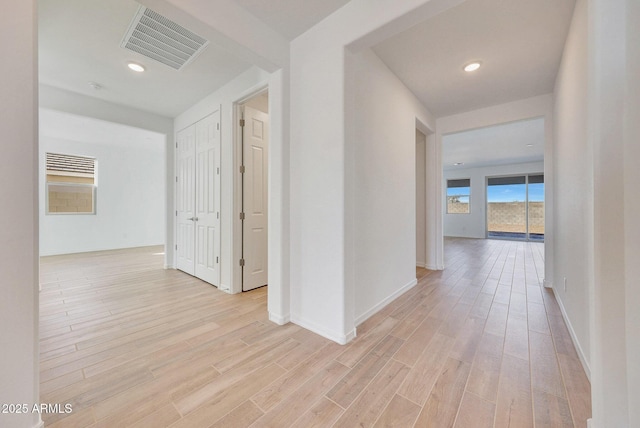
[(480, 344)]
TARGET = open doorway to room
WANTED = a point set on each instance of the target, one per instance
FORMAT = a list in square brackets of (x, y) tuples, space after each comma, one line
[(494, 181), (122, 206), (253, 155)]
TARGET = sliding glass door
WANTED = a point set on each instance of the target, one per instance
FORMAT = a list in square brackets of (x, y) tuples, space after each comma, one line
[(515, 207)]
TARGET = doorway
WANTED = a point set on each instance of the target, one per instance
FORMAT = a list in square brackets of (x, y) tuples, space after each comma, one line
[(254, 155), (421, 199)]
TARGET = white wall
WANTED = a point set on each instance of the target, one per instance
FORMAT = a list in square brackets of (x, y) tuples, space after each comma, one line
[(421, 199), (632, 208), (322, 241), (130, 196), (19, 221), (384, 186), (612, 127), (473, 225), (573, 203), (223, 99)]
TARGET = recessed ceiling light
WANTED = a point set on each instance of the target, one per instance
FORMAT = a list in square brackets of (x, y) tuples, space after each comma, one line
[(135, 67), (529, 145), (95, 85), (458, 163), (472, 66)]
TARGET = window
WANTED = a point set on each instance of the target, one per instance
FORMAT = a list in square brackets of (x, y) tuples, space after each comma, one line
[(458, 192), (71, 184)]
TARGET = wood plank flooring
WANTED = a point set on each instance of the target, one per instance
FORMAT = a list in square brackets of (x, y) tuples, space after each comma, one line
[(480, 344)]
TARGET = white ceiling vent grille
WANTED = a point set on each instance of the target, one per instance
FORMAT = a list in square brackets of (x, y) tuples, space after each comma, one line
[(156, 37)]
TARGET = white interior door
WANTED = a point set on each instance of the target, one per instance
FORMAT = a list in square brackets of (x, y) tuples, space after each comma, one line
[(254, 248), (185, 199), (198, 199), (207, 204)]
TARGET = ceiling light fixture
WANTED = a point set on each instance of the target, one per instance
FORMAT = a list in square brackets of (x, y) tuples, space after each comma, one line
[(135, 67), (458, 163), (473, 66), (529, 145)]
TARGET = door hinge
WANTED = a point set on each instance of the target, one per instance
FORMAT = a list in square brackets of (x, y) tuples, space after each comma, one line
[(218, 170), (218, 214), (241, 262), (218, 126), (176, 144), (242, 122), (176, 179), (176, 213), (241, 216), (176, 246), (217, 259), (242, 169)]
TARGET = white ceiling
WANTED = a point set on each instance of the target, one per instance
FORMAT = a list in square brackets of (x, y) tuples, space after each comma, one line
[(70, 127), (291, 17), (519, 42), (79, 42), (495, 145)]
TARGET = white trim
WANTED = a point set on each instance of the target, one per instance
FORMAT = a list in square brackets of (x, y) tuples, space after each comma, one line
[(431, 267), (547, 283), (279, 319), (574, 339), (421, 264), (40, 424), (368, 314), (341, 339), (590, 423)]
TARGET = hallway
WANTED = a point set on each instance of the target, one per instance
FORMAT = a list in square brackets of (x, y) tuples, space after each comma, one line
[(480, 344)]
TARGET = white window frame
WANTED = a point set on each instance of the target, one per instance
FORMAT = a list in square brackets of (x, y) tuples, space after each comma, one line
[(93, 187)]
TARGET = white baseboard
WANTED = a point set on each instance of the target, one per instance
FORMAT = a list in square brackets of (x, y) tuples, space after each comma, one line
[(546, 283), (421, 265), (341, 339), (434, 267), (574, 338), (368, 314), (40, 424), (590, 423), (279, 319)]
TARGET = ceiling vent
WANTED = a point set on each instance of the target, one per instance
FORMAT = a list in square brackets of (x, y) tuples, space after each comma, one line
[(156, 37)]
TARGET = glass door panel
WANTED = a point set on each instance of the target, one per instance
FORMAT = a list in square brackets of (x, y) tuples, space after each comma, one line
[(536, 207), (507, 208)]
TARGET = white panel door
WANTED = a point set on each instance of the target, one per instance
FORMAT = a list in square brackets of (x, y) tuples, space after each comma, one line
[(185, 199), (256, 143), (207, 204)]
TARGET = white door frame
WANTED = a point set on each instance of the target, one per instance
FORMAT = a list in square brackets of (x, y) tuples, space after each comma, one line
[(236, 240)]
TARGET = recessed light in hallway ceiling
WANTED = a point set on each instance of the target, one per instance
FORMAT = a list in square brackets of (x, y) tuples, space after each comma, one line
[(136, 67), (472, 66)]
